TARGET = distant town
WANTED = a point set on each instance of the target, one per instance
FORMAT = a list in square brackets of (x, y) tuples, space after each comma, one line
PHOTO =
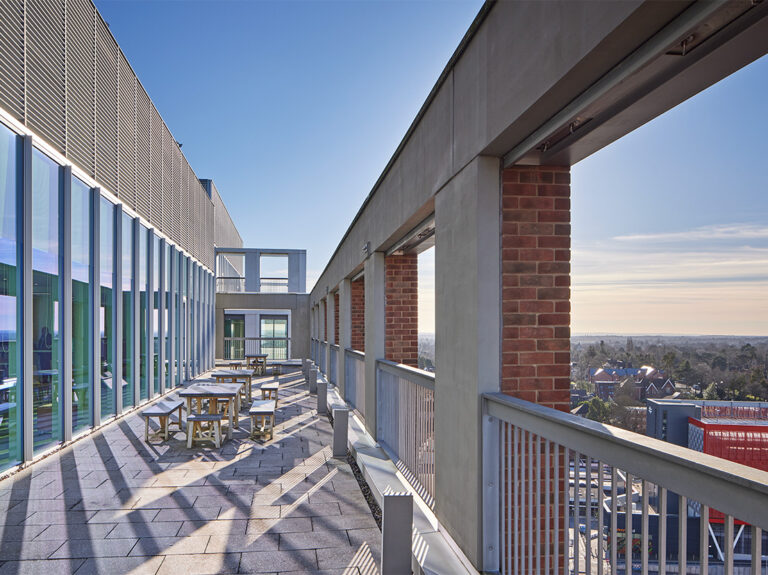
[(612, 377)]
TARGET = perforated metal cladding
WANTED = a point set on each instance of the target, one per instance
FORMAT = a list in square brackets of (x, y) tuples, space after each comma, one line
[(143, 166), (80, 83), (184, 205), (178, 181), (168, 182), (46, 101), (106, 107), (126, 133), (63, 75), (156, 168), (12, 57)]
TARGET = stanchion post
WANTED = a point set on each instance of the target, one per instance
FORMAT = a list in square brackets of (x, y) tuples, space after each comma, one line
[(340, 428), (396, 530)]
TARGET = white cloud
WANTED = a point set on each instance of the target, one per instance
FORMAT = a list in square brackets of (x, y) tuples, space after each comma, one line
[(703, 233)]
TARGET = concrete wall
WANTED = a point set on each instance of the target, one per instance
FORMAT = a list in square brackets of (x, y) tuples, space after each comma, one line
[(297, 303), (493, 91)]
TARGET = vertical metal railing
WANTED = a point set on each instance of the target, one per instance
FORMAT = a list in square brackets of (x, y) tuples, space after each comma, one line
[(321, 358), (581, 497), (276, 348), (332, 370), (354, 380), (405, 416)]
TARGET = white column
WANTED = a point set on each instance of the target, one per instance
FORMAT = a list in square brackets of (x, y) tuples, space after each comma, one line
[(345, 333), (468, 357), (375, 326)]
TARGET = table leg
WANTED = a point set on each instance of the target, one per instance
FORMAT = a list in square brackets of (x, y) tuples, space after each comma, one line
[(237, 409), (231, 419)]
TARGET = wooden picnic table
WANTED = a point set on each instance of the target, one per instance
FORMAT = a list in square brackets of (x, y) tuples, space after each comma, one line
[(232, 375), (259, 361), (214, 392)]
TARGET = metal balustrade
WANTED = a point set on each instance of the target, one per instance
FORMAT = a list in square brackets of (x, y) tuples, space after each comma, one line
[(575, 496), (313, 349), (232, 284), (354, 380), (321, 358), (276, 348), (332, 371), (405, 415), (273, 285)]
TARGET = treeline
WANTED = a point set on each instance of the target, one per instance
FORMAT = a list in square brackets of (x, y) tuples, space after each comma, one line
[(721, 368)]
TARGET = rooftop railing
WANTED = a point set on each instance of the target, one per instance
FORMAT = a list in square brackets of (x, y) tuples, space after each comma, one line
[(405, 415), (354, 380), (332, 371), (276, 348), (576, 496)]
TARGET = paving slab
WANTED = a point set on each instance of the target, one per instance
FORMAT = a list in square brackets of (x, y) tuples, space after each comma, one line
[(110, 503)]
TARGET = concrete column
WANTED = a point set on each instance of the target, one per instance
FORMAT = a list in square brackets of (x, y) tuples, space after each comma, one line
[(468, 351), (329, 332), (345, 332), (374, 332)]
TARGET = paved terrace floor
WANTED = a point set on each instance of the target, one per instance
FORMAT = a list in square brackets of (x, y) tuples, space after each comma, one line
[(110, 503)]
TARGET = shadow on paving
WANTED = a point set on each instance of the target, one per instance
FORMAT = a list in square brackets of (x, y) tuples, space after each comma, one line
[(116, 504)]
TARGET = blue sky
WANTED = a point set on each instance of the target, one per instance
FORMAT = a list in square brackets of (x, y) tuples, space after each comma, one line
[(294, 108)]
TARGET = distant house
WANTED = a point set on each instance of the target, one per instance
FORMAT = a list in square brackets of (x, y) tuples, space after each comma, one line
[(646, 381)]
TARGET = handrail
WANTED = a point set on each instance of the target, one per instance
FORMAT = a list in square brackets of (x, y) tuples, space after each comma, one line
[(354, 352), (417, 376), (335, 346), (699, 476)]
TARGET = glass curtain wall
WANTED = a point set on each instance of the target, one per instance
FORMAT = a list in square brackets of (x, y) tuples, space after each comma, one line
[(274, 336), (167, 313), (106, 319), (128, 316), (156, 372), (46, 396), (143, 315), (177, 311), (82, 391), (10, 404)]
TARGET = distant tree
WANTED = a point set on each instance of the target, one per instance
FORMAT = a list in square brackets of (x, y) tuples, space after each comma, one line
[(720, 362), (712, 392), (599, 410), (668, 361)]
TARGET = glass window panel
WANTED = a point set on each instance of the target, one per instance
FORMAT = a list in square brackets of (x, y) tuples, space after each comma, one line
[(166, 323), (106, 319), (10, 436), (46, 397), (274, 334), (177, 313), (156, 312), (143, 314), (81, 277), (128, 319)]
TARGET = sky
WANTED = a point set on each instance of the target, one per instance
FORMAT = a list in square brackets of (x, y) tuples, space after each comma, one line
[(294, 108)]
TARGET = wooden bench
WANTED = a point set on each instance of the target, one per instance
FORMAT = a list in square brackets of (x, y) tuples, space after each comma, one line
[(262, 414), (269, 390), (162, 410), (204, 427)]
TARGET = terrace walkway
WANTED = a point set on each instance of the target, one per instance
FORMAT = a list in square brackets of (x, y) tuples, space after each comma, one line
[(110, 503)]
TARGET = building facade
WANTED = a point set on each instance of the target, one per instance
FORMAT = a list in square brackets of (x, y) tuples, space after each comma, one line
[(106, 235)]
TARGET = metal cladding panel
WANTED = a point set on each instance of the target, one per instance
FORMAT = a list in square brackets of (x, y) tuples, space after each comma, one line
[(157, 193), (184, 203), (45, 66), (143, 155), (126, 190), (12, 57), (168, 186), (177, 195), (80, 83), (106, 107)]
